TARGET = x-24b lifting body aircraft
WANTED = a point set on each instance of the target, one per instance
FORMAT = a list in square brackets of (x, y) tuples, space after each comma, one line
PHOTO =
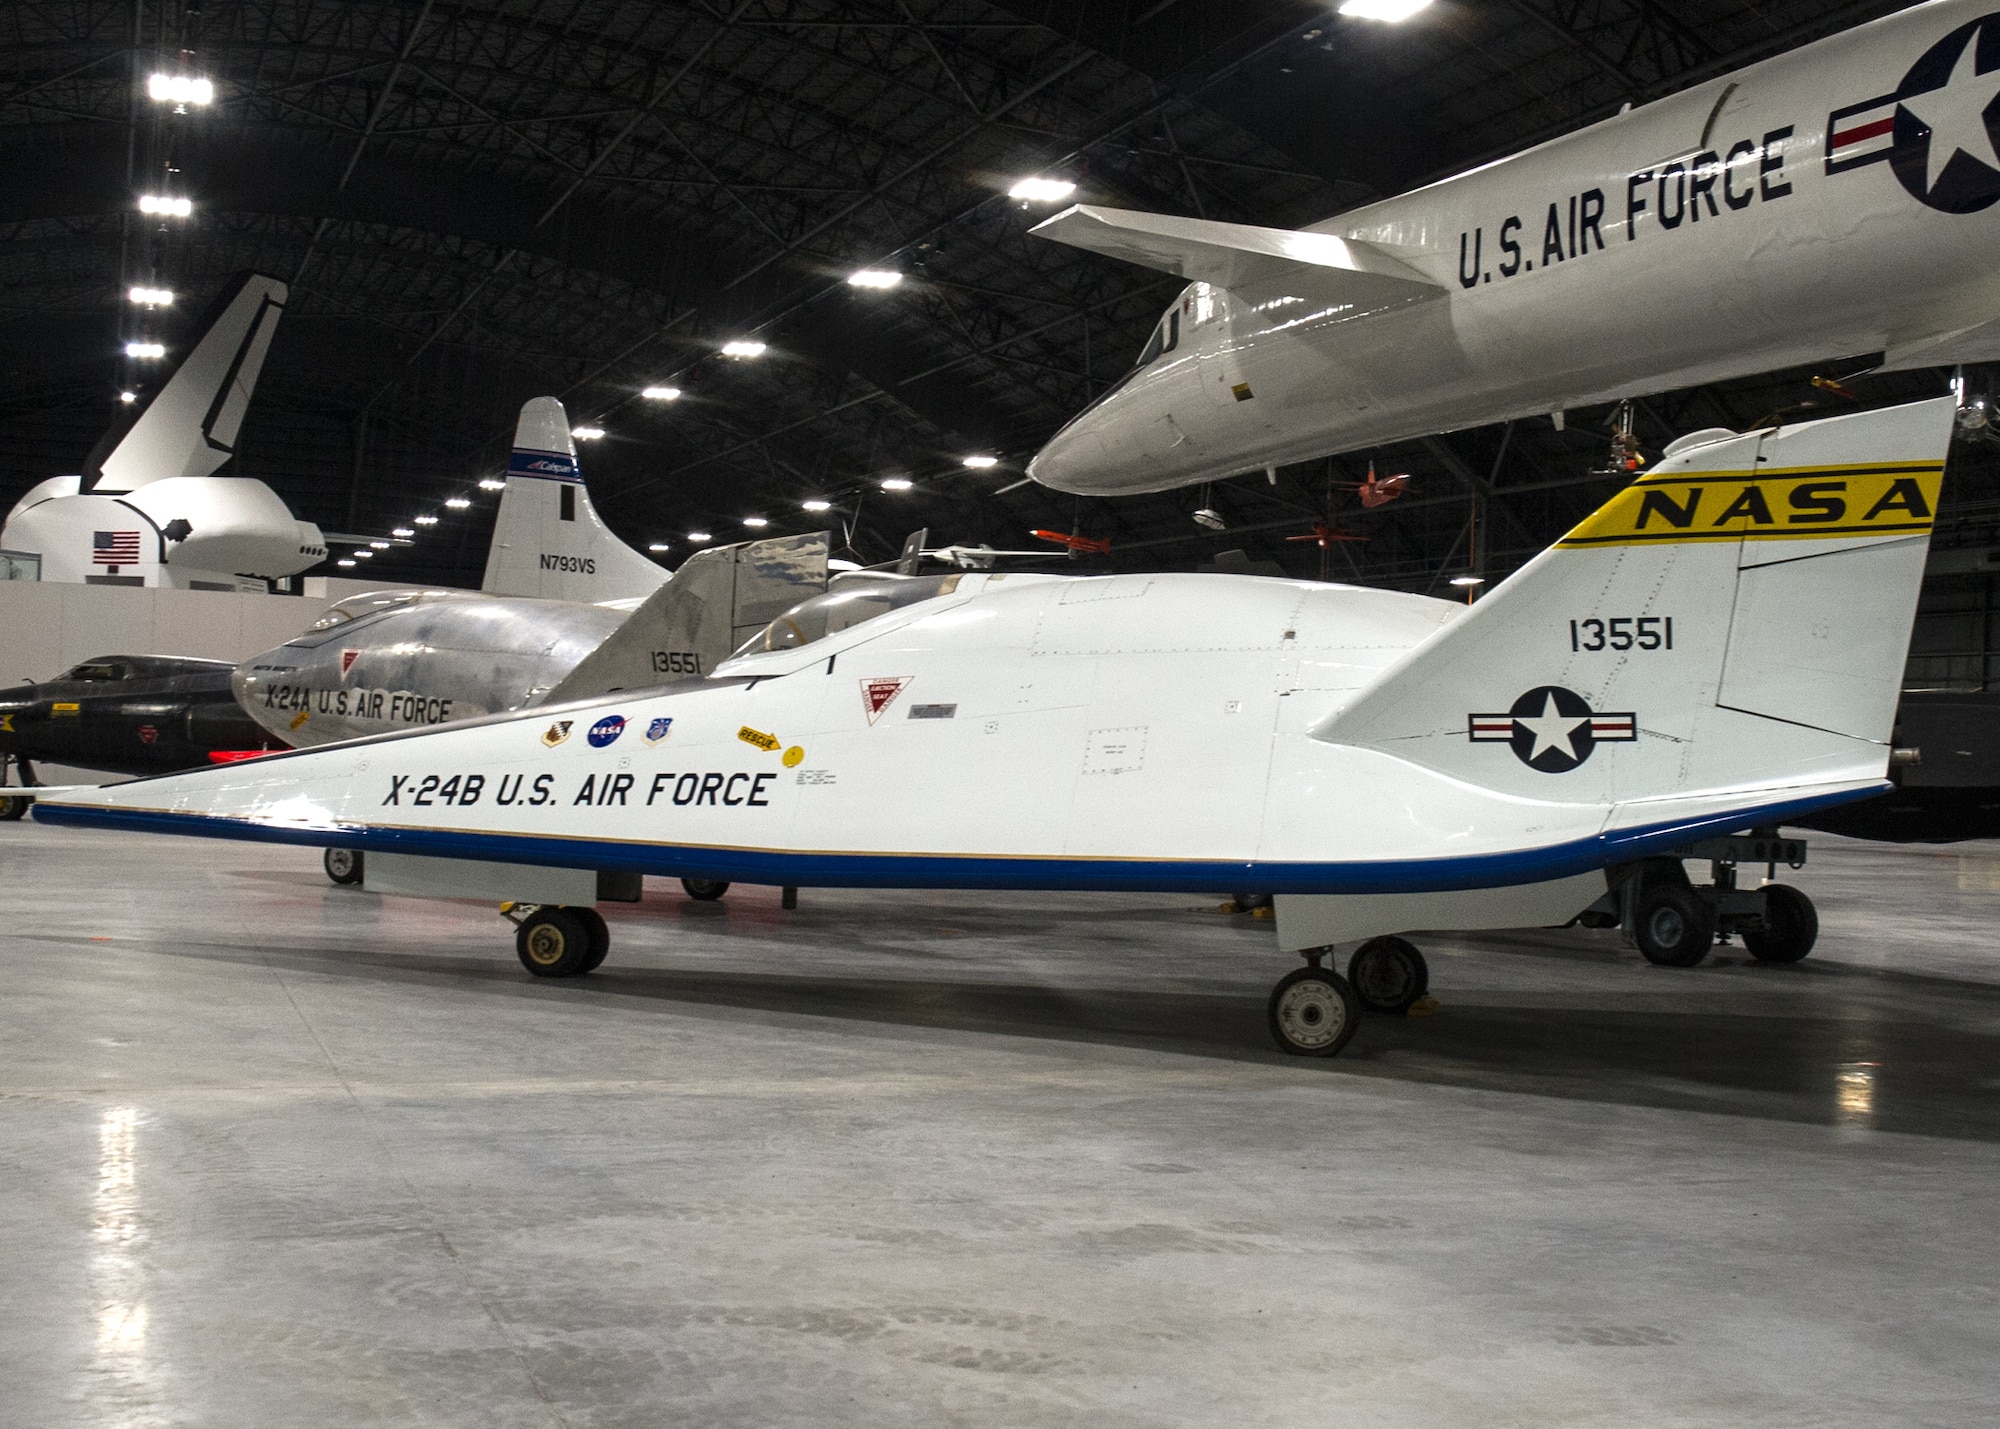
[(1840, 200), (1715, 650)]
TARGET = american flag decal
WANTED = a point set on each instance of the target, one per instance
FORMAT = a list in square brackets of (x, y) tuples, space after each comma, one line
[(1860, 134), (114, 548)]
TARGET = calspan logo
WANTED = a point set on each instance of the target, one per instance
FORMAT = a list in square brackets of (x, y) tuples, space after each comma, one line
[(1552, 729), (1940, 130)]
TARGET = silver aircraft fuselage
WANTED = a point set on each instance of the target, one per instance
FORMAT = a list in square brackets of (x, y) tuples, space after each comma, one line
[(408, 659), (1840, 200)]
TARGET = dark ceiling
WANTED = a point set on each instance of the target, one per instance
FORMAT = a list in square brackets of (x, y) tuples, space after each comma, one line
[(479, 201)]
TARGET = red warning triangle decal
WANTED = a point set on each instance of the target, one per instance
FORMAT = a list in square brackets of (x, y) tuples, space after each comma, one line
[(877, 695), (347, 659)]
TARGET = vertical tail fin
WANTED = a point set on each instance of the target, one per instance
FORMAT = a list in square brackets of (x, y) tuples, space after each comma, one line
[(190, 428), (1738, 618), (548, 540)]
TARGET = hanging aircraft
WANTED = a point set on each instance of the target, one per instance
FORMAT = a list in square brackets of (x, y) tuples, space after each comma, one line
[(1716, 650), (1839, 200), (152, 512)]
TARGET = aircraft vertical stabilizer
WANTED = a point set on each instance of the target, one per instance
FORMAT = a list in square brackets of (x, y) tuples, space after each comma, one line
[(1735, 621), (548, 540), (190, 428)]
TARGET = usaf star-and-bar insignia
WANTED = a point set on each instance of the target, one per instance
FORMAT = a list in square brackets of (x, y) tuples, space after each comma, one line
[(1552, 729)]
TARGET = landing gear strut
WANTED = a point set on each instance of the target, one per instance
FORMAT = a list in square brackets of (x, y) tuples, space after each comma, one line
[(1313, 1010)]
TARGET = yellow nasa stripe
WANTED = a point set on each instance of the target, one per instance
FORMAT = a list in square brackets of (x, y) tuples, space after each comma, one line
[(1796, 503)]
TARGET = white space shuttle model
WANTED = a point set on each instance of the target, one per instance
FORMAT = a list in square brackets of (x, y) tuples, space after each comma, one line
[(153, 512), (1717, 649), (1837, 201), (565, 609)]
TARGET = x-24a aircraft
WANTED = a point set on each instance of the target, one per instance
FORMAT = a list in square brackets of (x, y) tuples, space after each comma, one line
[(1418, 764), (1840, 200)]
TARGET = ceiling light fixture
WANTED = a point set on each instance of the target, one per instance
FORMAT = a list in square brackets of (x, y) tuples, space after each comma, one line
[(427, 520), (898, 483), (378, 545), (586, 434), (128, 396), (873, 278), (344, 561), (755, 523), (164, 206), (1389, 12), (980, 463), (658, 546), (661, 394), (145, 349), (1468, 580), (490, 483), (180, 89), (402, 531), (816, 505), (457, 503), (364, 555), (152, 297), (743, 347), (699, 536), (1042, 190)]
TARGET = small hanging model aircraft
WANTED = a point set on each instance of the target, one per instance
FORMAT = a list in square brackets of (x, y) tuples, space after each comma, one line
[(1716, 651)]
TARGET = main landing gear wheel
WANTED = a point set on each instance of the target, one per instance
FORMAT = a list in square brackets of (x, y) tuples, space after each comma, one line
[(1791, 926), (706, 889), (600, 938), (1673, 927), (557, 942), (343, 865), (13, 806), (1388, 975), (1313, 1012)]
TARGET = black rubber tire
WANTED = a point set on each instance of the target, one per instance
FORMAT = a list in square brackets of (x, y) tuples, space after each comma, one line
[(1790, 928), (1388, 975), (13, 806), (706, 889), (600, 938), (1673, 927), (1250, 902), (554, 942), (342, 865), (1313, 1013)]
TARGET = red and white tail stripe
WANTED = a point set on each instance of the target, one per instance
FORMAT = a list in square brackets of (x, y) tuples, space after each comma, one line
[(1614, 726), (1490, 726)]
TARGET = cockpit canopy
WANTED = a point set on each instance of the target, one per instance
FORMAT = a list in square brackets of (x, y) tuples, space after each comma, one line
[(356, 606), (848, 604)]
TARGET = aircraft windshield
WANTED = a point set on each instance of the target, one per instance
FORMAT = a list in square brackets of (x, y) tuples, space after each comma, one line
[(841, 609), (356, 606), (95, 670)]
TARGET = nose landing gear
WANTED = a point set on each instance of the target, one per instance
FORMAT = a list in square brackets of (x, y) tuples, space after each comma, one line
[(1313, 1011)]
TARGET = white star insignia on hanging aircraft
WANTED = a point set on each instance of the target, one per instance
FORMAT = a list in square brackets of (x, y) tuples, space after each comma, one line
[(1956, 114)]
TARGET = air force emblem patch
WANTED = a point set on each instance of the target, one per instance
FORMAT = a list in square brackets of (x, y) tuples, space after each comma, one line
[(1552, 729)]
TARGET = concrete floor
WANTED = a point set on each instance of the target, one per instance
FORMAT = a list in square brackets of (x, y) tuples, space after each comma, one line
[(277, 1153)]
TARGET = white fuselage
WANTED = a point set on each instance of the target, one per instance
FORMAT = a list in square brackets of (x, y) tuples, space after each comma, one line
[(185, 532), (1837, 201)]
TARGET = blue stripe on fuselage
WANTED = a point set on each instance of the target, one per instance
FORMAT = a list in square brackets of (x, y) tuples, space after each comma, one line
[(906, 870)]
